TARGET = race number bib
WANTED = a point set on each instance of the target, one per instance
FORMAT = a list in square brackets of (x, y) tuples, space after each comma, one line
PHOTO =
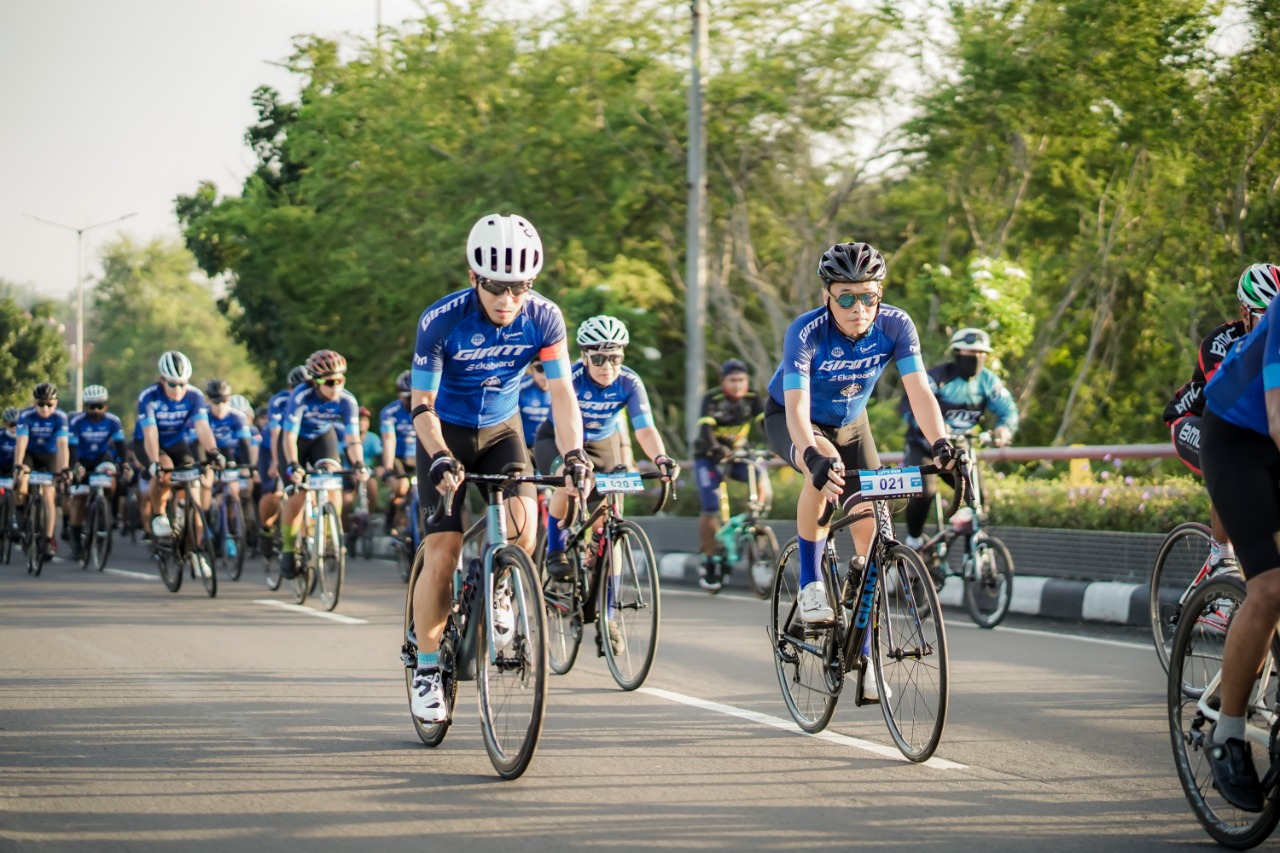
[(626, 481), (186, 475), (77, 491), (891, 483), (324, 481), (100, 481), (40, 478), (231, 475), (6, 482)]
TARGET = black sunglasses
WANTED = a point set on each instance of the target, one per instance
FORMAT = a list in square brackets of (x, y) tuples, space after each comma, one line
[(175, 384), (96, 407), (846, 300), (497, 288), (46, 404), (216, 400), (600, 359)]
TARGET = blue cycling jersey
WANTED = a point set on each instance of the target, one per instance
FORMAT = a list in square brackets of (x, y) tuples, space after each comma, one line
[(535, 407), (1237, 391), (964, 401), (255, 437), (838, 371), (602, 405), (394, 418), (175, 420), (42, 432), (372, 448), (8, 444), (474, 366), (309, 414), (93, 439), (231, 430)]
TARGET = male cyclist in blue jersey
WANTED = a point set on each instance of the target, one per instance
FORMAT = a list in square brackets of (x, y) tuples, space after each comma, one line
[(8, 443), (472, 347), (399, 455), (269, 457), (816, 417), (535, 401), (605, 389), (231, 432), (96, 442), (312, 421), (1240, 457), (170, 411), (41, 445), (966, 390)]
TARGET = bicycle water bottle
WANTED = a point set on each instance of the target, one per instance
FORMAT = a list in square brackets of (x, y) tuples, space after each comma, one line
[(230, 548)]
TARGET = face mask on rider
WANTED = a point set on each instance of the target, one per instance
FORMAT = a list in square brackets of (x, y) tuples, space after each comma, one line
[(967, 365)]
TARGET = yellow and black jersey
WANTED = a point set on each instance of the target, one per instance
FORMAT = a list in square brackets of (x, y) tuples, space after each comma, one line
[(727, 422)]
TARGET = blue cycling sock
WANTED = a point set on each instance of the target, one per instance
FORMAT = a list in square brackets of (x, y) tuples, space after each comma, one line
[(555, 534), (429, 660), (811, 560)]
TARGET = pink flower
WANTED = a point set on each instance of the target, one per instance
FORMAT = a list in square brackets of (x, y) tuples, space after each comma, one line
[(1128, 481), (1102, 501), (1146, 494), (1141, 507), (1105, 475)]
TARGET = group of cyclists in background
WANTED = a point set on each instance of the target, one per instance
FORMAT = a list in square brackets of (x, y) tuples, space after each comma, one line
[(492, 384)]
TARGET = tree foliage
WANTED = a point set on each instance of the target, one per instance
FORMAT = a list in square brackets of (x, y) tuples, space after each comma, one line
[(32, 351)]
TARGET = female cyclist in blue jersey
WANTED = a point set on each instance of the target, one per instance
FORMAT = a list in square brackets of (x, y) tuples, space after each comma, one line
[(816, 417), (604, 389), (473, 346), (41, 445)]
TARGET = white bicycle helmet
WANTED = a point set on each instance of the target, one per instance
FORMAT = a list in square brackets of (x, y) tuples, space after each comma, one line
[(603, 332), (504, 248), (95, 394), (1258, 286), (975, 340), (175, 366), (241, 405)]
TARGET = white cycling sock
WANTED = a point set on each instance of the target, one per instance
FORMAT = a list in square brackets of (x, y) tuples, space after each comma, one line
[(1228, 728)]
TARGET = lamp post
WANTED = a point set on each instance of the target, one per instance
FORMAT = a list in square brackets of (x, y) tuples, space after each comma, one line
[(695, 311), (79, 355)]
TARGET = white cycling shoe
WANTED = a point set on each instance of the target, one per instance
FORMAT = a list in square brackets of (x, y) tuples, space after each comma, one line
[(427, 700), (814, 606)]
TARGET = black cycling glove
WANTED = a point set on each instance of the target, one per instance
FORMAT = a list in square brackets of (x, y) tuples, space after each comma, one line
[(821, 467), (442, 463)]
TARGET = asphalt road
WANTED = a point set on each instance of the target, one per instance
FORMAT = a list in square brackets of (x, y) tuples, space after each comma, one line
[(136, 719)]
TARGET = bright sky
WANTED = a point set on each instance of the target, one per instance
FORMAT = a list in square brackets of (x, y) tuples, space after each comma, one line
[(110, 108)]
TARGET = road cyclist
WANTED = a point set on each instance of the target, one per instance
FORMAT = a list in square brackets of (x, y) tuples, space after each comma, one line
[(231, 432), (41, 451), (8, 503), (269, 470), (399, 469), (96, 450)]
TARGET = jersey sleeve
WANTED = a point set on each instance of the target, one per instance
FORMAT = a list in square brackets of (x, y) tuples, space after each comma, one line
[(350, 413), (1271, 353), (797, 354), (638, 404), (1000, 403), (554, 352), (906, 350), (146, 411), (428, 352), (291, 420), (387, 419)]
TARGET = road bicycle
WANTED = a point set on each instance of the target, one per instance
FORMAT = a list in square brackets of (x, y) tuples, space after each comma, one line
[(744, 539), (8, 514), (359, 529), (1195, 664), (512, 678), (34, 541), (189, 547), (95, 537), (408, 535), (613, 582), (987, 567), (889, 597), (227, 523), (1181, 566), (321, 564)]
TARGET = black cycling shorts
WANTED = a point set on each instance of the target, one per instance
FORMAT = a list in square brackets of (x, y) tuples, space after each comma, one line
[(1242, 473), (404, 467), (605, 454), (1185, 432), (482, 450), (853, 442), (40, 461)]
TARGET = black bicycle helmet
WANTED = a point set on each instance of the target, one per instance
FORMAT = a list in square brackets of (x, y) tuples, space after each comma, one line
[(403, 382), (217, 388), (851, 263), (46, 392)]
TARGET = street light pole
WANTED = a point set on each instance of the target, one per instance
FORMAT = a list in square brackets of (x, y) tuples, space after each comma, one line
[(696, 234), (79, 356)]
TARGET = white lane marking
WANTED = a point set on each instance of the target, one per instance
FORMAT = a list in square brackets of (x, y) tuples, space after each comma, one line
[(298, 608), (790, 726), (135, 575)]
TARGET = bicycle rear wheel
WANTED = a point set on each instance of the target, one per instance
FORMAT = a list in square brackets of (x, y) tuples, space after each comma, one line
[(35, 534), (1182, 555), (513, 679), (200, 555), (332, 563), (805, 656), (6, 523), (988, 582), (630, 606), (909, 649), (1196, 658), (563, 602), (235, 541), (430, 734), (761, 559), (98, 528)]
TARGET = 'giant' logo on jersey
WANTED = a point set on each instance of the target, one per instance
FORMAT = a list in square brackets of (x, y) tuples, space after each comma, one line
[(499, 351), (834, 364)]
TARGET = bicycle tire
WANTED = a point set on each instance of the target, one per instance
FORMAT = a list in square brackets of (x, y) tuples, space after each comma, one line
[(810, 681), (81, 551), (1182, 554), (100, 533), (35, 534), (332, 557), (563, 602), (200, 555), (6, 523), (761, 557), (249, 517), (909, 650), (630, 605), (234, 531), (513, 685), (1197, 646), (988, 582), (431, 734), (404, 559)]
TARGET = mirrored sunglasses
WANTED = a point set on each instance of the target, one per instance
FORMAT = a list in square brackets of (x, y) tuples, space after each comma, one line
[(599, 359), (497, 288), (846, 300), (332, 381)]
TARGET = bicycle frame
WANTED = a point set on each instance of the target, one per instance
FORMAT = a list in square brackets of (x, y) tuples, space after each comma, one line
[(732, 528), (940, 542), (1257, 708)]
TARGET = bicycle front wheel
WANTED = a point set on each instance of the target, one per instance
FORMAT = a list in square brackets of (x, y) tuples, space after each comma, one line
[(630, 606), (761, 558), (988, 582), (513, 675), (99, 529), (332, 563), (1182, 555), (909, 649), (1196, 658), (35, 534), (805, 656), (6, 523), (236, 541), (563, 602), (200, 555)]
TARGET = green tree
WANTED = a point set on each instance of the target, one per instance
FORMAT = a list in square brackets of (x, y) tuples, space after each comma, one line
[(32, 351), (151, 298)]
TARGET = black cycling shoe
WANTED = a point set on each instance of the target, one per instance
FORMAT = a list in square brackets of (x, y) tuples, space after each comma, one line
[(558, 565), (1234, 775), (288, 565)]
